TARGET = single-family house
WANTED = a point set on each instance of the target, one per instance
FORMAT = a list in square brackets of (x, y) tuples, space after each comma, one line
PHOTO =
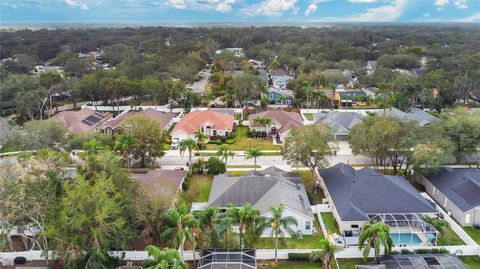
[(280, 82), (83, 120), (412, 114), (161, 183), (341, 123), (457, 190), (165, 120), (280, 97), (282, 123), (371, 67), (364, 196), (39, 69), (209, 122), (351, 98), (416, 261), (263, 189), (237, 52), (257, 64)]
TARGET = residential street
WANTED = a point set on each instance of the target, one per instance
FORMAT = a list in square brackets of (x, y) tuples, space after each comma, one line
[(199, 86)]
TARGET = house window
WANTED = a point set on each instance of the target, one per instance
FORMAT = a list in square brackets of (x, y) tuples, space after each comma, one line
[(270, 96), (288, 102), (214, 133), (467, 218), (354, 226), (307, 225), (226, 133)]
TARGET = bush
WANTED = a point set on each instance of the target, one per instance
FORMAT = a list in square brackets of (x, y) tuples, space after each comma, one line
[(215, 142), (230, 141), (299, 256), (77, 140), (186, 183), (432, 251), (215, 166)]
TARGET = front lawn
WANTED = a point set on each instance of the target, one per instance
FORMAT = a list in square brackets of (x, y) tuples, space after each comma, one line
[(329, 221), (243, 142), (449, 238), (243, 166), (307, 179), (471, 262), (474, 233), (308, 116), (199, 189)]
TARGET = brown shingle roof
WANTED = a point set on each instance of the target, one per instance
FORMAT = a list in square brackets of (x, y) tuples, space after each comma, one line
[(191, 122), (289, 120), (161, 117), (166, 182), (83, 120)]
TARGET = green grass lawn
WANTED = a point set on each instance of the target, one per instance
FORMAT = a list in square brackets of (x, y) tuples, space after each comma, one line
[(343, 264), (471, 262), (236, 173), (474, 233), (449, 237), (330, 223), (9, 148), (308, 116), (199, 189), (243, 166), (243, 142), (315, 198), (308, 241)]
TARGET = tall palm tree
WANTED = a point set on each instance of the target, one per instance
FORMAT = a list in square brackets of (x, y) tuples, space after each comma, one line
[(280, 224), (189, 145), (227, 222), (124, 143), (326, 254), (201, 138), (374, 236), (265, 122), (166, 258), (208, 221), (244, 217), (253, 153), (178, 223), (223, 152)]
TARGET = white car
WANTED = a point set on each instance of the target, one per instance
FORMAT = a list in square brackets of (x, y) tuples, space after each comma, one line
[(174, 144)]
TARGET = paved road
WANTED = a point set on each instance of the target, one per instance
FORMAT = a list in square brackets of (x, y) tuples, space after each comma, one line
[(199, 86)]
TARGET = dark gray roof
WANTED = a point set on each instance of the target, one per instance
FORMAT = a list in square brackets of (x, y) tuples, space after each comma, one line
[(262, 189), (358, 193), (417, 261), (340, 122), (461, 186), (412, 114)]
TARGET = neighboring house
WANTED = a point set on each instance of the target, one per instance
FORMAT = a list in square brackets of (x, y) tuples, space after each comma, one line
[(351, 98), (237, 52), (280, 97), (363, 196), (83, 120), (165, 120), (458, 191), (417, 261), (280, 82), (263, 189), (371, 67), (228, 258), (161, 183), (39, 69), (412, 114), (341, 123), (209, 122), (282, 123), (257, 64)]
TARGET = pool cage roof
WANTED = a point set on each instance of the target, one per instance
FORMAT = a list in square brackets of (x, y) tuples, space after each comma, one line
[(407, 223), (430, 261), (228, 258)]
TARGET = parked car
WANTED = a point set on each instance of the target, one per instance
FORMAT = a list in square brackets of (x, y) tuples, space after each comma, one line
[(174, 144)]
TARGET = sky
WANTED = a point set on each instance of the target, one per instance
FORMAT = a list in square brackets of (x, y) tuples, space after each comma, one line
[(143, 11)]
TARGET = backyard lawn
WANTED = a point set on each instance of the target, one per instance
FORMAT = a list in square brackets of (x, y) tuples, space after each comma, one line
[(199, 189), (243, 142), (329, 221), (449, 237), (308, 116), (343, 264), (474, 233), (471, 262), (315, 198)]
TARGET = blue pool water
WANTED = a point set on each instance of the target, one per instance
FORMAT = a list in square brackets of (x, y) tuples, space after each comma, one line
[(405, 238)]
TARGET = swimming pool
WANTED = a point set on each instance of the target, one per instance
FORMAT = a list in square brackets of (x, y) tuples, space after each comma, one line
[(405, 238)]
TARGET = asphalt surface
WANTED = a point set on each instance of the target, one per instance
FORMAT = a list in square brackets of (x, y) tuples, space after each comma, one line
[(199, 86)]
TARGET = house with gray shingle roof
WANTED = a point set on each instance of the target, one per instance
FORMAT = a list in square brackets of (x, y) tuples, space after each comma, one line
[(341, 123), (263, 189), (362, 196), (412, 114), (458, 191)]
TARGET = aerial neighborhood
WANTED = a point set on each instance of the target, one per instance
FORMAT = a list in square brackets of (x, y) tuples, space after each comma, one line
[(261, 147)]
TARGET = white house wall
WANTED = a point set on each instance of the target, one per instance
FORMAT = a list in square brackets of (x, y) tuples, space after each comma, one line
[(301, 219)]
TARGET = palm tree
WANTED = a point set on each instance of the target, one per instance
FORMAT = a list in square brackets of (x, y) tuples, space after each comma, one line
[(123, 143), (189, 145), (166, 258), (208, 221), (179, 223), (374, 236), (244, 217), (265, 122), (326, 254), (227, 222), (201, 138), (223, 152), (280, 224), (253, 153)]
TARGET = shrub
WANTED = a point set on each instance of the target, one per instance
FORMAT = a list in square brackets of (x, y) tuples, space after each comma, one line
[(299, 256), (432, 251), (215, 166), (186, 183), (230, 141), (77, 140), (215, 142), (406, 251)]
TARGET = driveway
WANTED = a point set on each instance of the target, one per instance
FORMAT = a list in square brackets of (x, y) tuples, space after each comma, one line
[(199, 86)]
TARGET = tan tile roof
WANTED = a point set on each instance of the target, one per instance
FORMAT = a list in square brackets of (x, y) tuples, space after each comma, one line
[(289, 120), (191, 122), (161, 117), (83, 120)]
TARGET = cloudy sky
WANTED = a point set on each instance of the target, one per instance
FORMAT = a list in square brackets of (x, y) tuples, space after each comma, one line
[(240, 10)]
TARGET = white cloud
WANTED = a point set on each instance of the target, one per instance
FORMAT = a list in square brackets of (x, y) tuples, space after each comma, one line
[(426, 14), (389, 12), (271, 8), (225, 6), (441, 2), (76, 3), (461, 4), (474, 18), (180, 4), (365, 1), (311, 9)]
